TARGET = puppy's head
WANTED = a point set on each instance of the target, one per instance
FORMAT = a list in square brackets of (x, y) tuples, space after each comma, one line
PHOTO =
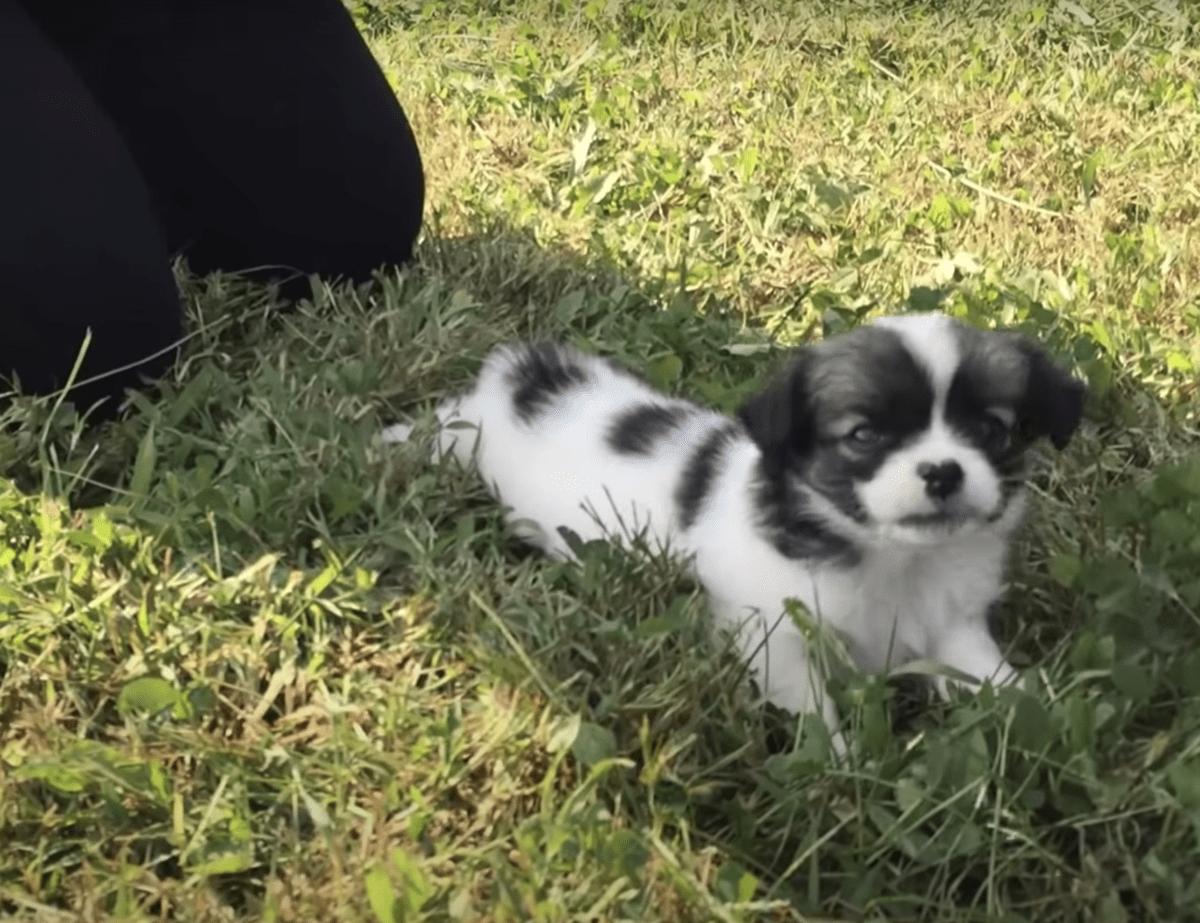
[(913, 428)]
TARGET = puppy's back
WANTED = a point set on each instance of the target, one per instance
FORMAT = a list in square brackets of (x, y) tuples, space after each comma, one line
[(571, 440)]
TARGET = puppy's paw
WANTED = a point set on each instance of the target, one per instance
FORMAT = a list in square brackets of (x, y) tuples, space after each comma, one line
[(999, 677), (397, 432), (1007, 675)]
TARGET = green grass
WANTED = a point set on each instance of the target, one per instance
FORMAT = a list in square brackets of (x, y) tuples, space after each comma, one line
[(252, 667)]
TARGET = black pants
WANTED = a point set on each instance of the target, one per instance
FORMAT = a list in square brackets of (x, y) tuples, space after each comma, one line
[(238, 133)]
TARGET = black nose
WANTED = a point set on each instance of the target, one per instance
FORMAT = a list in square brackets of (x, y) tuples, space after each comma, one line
[(941, 480)]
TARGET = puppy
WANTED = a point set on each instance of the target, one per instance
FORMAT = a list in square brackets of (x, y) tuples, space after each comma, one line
[(878, 482)]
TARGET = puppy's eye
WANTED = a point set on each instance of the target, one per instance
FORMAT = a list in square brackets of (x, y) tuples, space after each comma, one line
[(993, 432), (864, 436)]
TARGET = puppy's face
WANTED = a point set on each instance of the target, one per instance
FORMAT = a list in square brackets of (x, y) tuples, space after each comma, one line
[(914, 428)]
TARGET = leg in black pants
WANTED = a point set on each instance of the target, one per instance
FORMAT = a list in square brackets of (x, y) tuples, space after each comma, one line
[(241, 133), (80, 245)]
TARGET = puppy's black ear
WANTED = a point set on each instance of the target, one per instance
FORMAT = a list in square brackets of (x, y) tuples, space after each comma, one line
[(779, 419), (1053, 402)]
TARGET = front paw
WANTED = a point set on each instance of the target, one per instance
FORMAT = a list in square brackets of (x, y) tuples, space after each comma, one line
[(396, 433), (1000, 675), (803, 699)]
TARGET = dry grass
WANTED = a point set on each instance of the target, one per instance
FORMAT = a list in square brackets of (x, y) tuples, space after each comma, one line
[(866, 97)]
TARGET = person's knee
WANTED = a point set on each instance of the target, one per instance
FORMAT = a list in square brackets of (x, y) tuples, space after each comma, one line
[(256, 159), (80, 248), (329, 181)]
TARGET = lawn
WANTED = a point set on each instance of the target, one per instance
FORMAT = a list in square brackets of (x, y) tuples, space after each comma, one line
[(254, 667)]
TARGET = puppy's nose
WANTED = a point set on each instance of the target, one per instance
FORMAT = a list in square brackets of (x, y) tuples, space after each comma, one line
[(942, 479)]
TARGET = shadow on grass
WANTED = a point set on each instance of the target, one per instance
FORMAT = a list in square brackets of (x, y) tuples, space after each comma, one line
[(459, 298)]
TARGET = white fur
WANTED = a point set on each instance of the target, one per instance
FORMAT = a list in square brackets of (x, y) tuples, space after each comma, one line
[(916, 593)]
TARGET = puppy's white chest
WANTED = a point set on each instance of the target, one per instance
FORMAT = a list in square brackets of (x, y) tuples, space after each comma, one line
[(899, 605)]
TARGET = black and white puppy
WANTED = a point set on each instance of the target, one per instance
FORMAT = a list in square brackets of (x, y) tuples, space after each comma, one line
[(878, 482)]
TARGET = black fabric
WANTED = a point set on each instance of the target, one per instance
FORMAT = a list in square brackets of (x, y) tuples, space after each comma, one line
[(241, 134)]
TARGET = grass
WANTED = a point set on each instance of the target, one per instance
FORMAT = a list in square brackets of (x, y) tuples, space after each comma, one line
[(252, 667)]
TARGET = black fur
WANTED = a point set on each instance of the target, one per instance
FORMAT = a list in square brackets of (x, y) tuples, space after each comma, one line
[(637, 430), (778, 418), (696, 481), (796, 531), (542, 372), (865, 371), (1052, 405)]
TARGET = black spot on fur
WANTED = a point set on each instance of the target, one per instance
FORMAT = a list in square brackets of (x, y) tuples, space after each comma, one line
[(541, 373), (696, 481), (637, 430), (977, 388), (797, 532)]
